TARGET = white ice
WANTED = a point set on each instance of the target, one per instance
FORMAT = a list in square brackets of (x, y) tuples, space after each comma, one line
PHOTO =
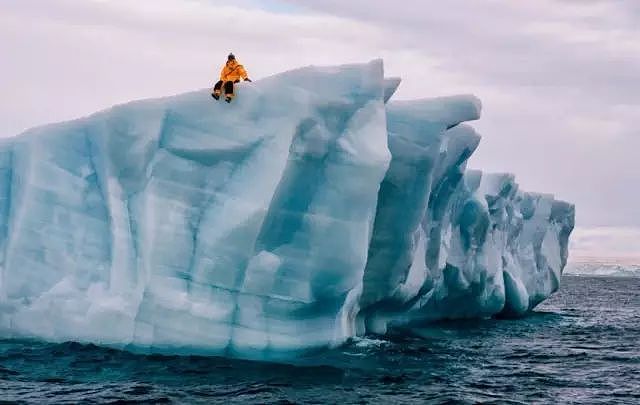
[(304, 213)]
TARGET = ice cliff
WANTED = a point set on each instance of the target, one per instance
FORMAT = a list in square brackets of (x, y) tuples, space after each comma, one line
[(306, 212)]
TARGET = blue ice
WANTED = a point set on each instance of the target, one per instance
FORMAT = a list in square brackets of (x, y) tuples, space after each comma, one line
[(263, 229)]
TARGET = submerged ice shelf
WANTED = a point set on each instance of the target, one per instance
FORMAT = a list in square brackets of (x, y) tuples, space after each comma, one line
[(263, 230)]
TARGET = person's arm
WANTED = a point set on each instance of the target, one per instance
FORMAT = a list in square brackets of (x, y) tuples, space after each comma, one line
[(222, 73), (244, 74)]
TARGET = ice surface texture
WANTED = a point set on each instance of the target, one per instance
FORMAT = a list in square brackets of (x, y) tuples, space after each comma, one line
[(304, 213)]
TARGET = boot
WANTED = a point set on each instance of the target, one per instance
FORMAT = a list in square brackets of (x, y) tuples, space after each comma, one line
[(227, 99), (216, 96)]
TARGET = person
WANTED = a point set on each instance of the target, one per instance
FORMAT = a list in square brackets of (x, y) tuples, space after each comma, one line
[(232, 72)]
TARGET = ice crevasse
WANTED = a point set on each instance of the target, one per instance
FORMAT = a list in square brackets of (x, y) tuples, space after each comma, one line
[(263, 229)]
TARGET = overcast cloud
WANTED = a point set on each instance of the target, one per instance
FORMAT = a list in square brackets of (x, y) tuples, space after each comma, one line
[(559, 79)]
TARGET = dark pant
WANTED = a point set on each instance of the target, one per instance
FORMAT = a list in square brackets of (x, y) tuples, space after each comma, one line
[(228, 88)]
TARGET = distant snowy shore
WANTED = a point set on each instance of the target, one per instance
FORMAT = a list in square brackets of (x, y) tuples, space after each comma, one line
[(603, 267)]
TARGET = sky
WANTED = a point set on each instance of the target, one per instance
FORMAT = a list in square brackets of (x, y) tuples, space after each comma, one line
[(559, 79)]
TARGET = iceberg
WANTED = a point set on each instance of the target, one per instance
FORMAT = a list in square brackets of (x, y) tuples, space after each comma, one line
[(266, 228)]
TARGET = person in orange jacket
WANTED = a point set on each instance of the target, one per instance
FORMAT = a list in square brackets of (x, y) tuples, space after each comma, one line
[(231, 73)]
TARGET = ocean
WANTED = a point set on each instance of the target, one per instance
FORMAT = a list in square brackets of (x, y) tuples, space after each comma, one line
[(582, 346)]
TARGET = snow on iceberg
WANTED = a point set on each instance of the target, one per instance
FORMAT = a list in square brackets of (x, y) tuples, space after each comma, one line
[(265, 229)]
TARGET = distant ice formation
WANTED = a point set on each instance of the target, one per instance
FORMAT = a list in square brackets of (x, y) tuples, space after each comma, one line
[(597, 267)]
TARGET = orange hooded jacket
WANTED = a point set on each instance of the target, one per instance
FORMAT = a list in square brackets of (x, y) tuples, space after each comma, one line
[(233, 72)]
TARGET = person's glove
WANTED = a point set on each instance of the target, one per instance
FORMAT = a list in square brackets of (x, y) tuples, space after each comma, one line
[(247, 80)]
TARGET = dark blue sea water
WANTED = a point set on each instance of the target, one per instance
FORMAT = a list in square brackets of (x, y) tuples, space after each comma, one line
[(581, 346)]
